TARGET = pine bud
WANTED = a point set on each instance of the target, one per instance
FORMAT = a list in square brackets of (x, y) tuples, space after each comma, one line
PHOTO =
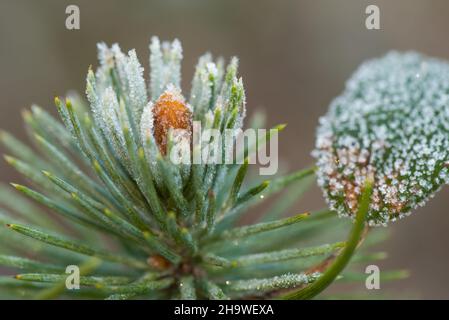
[(170, 111), (158, 262)]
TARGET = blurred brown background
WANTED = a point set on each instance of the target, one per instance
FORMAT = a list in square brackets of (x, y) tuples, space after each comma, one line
[(295, 57)]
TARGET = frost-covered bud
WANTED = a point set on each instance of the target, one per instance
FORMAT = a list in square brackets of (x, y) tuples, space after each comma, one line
[(391, 121), (170, 111)]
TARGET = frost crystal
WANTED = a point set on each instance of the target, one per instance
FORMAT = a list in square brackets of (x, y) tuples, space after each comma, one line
[(391, 121), (165, 63)]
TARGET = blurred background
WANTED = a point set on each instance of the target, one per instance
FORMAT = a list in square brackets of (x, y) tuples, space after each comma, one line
[(295, 57)]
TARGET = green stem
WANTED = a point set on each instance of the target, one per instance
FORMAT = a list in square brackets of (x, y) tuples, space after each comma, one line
[(343, 258)]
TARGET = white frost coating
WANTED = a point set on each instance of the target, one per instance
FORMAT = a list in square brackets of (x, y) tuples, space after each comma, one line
[(206, 85), (94, 101), (146, 123), (106, 59), (110, 59), (230, 77), (392, 120), (156, 67), (120, 64), (288, 280), (111, 123), (105, 55), (137, 89), (242, 111), (175, 55), (146, 135), (165, 65), (212, 69), (201, 92)]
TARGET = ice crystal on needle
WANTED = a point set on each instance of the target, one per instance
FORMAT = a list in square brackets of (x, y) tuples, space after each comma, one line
[(392, 122)]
